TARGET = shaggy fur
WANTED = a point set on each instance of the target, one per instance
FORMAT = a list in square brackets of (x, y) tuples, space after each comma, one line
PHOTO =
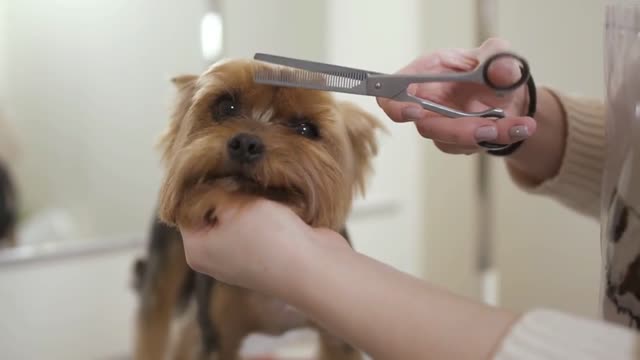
[(312, 153)]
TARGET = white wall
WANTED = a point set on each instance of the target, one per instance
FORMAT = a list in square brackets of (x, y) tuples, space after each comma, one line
[(548, 255), (382, 36), (8, 141), (88, 86), (3, 50), (250, 27), (450, 185)]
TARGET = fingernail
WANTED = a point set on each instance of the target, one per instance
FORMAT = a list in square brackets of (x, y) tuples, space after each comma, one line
[(518, 133), (411, 113), (455, 59), (486, 133), (462, 61)]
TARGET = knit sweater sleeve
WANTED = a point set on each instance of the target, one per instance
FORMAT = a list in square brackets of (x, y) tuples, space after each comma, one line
[(577, 183), (546, 334), (550, 335)]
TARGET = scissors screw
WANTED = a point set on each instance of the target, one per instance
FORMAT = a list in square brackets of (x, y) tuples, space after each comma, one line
[(378, 85)]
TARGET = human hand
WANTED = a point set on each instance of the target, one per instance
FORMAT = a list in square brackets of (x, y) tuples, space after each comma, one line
[(258, 245), (462, 135)]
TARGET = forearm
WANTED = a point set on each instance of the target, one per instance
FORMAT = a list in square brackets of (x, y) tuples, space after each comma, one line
[(540, 157), (389, 314)]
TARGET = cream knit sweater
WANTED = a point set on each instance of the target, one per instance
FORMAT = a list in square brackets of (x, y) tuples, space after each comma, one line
[(547, 334)]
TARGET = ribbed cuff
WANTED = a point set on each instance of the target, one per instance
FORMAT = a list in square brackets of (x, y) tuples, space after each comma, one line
[(578, 181), (550, 335)]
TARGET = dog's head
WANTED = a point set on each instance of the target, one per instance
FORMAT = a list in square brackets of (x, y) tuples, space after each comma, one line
[(299, 147)]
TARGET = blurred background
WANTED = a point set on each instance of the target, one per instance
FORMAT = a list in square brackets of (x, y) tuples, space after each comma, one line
[(85, 93)]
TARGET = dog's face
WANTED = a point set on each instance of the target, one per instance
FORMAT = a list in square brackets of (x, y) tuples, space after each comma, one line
[(230, 135)]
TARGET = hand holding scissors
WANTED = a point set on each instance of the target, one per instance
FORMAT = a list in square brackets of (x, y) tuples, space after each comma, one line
[(453, 97), (461, 136)]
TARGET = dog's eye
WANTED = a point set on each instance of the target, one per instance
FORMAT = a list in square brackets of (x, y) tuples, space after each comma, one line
[(225, 106), (306, 129)]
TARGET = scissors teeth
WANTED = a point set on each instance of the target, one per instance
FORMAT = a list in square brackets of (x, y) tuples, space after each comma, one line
[(327, 77)]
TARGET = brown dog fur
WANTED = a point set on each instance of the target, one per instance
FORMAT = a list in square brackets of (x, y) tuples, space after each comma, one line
[(317, 176)]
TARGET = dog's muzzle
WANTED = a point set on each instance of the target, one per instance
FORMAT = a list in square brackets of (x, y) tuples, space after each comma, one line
[(245, 148)]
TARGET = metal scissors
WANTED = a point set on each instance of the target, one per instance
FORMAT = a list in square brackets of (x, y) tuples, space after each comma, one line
[(328, 77)]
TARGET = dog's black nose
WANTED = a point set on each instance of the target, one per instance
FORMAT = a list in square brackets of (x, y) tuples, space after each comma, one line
[(245, 148)]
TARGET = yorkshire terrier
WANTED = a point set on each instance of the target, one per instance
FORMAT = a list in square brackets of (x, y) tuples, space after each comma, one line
[(232, 137)]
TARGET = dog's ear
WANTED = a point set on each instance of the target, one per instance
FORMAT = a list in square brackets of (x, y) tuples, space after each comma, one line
[(185, 85), (181, 81), (362, 128)]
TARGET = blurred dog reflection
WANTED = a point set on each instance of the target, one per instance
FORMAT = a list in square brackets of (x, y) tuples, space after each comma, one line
[(8, 192), (8, 208), (230, 137)]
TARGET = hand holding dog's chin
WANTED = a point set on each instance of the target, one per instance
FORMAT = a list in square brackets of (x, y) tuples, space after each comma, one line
[(261, 245)]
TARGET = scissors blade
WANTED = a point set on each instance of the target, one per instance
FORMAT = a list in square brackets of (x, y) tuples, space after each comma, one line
[(302, 76), (309, 80), (314, 66)]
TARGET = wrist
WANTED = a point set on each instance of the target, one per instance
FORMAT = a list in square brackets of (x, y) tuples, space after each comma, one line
[(540, 156), (295, 266), (322, 253)]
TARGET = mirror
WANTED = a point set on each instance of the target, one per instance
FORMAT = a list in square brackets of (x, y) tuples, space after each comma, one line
[(85, 90)]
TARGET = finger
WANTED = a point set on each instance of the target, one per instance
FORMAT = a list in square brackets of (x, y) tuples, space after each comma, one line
[(468, 132), (195, 248), (443, 60), (503, 71), (323, 232), (194, 235), (458, 59), (456, 149), (489, 47), (330, 237), (401, 111), (393, 109), (234, 204)]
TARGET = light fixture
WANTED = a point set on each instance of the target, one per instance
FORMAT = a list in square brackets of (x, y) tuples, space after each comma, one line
[(211, 37)]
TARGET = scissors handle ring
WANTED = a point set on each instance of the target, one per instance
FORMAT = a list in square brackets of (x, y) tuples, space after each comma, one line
[(524, 72)]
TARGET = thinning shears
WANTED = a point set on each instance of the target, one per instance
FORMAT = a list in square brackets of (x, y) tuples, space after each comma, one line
[(327, 77)]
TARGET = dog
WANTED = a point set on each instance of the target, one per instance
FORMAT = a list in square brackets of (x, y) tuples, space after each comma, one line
[(229, 137)]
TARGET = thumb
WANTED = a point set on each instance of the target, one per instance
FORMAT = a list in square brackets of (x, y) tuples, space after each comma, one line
[(490, 47), (503, 71)]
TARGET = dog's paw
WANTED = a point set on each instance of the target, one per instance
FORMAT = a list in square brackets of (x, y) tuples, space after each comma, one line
[(198, 208)]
